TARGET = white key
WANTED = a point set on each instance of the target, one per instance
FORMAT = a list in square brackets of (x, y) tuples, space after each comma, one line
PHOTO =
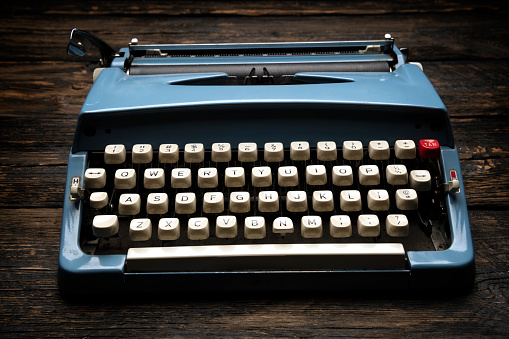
[(153, 178), (379, 150), (404, 149), (326, 151), (282, 225), (287, 176), (342, 175), (299, 150), (316, 175), (248, 152), (311, 226), (181, 178), (194, 153), (254, 228), (406, 199), (95, 178), (268, 201), (157, 203), (352, 150), (129, 204), (168, 229), (261, 176), (213, 202), (368, 225), (140, 229), (396, 174), (98, 199), (114, 154), (323, 201), (273, 152), (240, 202), (198, 228), (168, 153), (397, 225), (350, 201), (369, 175), (234, 177), (185, 203), (378, 200), (125, 178), (226, 226), (340, 226), (296, 201), (208, 177), (104, 226), (420, 180), (221, 152), (142, 153)]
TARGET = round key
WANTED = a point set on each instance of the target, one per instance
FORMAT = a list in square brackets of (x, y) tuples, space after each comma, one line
[(379, 150), (406, 199), (261, 176), (98, 200), (157, 203), (207, 177), (352, 150), (326, 151), (247, 152), (397, 225), (404, 149), (153, 178), (296, 201), (311, 226), (125, 178), (95, 178), (316, 175), (420, 180), (299, 150), (282, 225), (368, 225), (369, 175), (268, 201), (213, 202), (396, 174), (129, 204), (168, 153), (226, 226), (114, 154), (185, 203), (323, 201), (287, 176), (342, 175), (273, 152), (140, 229), (198, 228), (104, 226), (181, 178), (194, 153), (168, 229), (429, 149), (142, 153), (234, 177), (378, 200), (221, 152), (254, 228), (340, 226), (350, 200), (240, 202)]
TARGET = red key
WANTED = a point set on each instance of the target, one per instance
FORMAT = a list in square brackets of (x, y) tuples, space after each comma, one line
[(429, 149)]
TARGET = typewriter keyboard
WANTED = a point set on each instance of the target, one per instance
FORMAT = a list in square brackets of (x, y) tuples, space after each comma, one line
[(181, 207)]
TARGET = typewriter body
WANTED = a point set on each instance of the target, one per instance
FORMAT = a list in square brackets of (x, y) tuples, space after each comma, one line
[(269, 166)]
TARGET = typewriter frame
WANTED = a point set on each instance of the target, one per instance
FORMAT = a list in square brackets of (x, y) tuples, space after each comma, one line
[(161, 100)]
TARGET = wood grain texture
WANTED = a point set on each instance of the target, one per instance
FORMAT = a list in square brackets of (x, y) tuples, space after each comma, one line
[(463, 48)]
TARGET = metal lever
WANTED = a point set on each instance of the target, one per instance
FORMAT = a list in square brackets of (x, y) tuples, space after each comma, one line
[(80, 41)]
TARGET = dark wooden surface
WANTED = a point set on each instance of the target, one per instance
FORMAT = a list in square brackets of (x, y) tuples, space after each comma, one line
[(464, 49)]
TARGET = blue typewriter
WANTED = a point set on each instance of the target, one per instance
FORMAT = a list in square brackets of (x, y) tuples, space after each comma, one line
[(264, 166)]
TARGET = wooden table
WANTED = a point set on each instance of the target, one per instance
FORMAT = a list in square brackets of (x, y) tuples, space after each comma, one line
[(464, 51)]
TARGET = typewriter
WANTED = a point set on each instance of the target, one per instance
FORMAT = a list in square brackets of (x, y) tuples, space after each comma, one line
[(262, 166)]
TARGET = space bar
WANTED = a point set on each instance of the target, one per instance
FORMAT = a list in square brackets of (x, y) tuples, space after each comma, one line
[(375, 256)]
